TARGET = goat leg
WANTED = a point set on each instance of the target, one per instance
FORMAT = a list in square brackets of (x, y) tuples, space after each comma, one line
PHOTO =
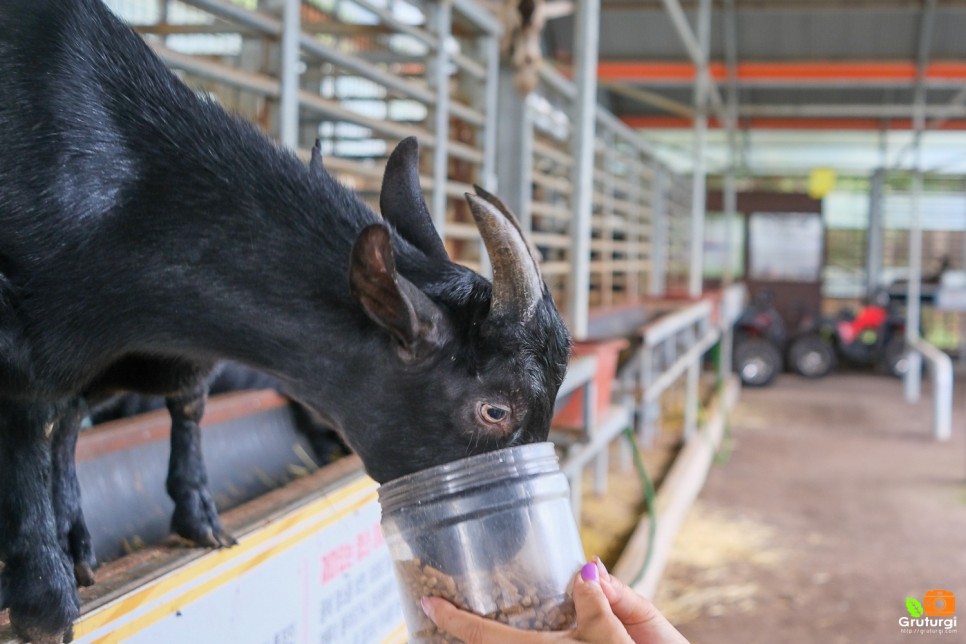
[(195, 516), (37, 578), (72, 531)]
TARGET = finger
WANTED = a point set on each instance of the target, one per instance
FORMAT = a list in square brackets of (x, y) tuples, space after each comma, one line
[(628, 606), (473, 629), (596, 621), (643, 621)]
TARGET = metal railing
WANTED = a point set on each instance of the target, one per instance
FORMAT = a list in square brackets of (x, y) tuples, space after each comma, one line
[(590, 444), (941, 369), (362, 74), (673, 346)]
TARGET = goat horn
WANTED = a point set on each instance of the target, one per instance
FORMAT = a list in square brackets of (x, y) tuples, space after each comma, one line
[(494, 201), (315, 163), (517, 285), (402, 204)]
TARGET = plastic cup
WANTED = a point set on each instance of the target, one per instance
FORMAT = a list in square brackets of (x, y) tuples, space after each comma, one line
[(493, 534)]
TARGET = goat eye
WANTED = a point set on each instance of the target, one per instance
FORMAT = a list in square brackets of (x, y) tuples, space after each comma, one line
[(493, 413)]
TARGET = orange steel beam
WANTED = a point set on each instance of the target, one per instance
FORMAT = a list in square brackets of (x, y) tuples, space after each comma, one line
[(791, 72), (659, 122)]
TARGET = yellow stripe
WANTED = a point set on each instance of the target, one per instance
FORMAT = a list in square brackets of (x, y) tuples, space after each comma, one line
[(398, 635), (182, 576), (171, 606)]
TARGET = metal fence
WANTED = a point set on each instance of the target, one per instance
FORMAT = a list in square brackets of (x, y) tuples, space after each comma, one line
[(362, 74)]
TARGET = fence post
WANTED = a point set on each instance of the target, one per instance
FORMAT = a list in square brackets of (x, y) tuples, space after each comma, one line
[(584, 119)]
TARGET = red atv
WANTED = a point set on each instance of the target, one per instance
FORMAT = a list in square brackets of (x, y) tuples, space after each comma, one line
[(875, 336)]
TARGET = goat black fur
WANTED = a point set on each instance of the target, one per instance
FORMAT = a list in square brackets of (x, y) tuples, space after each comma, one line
[(147, 234)]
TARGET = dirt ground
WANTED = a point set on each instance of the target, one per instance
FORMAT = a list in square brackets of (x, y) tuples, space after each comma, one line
[(834, 506)]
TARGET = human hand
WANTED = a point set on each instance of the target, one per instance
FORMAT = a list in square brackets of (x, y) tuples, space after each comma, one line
[(644, 622), (607, 612)]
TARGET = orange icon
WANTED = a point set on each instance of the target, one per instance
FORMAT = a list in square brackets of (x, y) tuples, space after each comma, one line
[(939, 603)]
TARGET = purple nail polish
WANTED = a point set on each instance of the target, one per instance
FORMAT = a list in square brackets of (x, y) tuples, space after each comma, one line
[(589, 572)]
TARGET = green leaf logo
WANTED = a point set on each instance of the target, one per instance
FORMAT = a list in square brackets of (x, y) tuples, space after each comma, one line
[(914, 607)]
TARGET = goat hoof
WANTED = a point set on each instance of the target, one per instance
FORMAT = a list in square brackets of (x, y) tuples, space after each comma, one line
[(42, 599), (226, 540), (196, 519), (45, 638), (221, 539), (83, 574)]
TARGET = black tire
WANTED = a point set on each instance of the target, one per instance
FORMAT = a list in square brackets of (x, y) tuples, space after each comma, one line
[(895, 358), (811, 356), (757, 362)]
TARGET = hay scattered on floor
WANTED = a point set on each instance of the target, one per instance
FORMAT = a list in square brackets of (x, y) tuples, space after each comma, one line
[(709, 546), (607, 521)]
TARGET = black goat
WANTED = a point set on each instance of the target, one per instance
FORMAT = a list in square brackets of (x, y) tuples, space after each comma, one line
[(146, 234), (228, 377)]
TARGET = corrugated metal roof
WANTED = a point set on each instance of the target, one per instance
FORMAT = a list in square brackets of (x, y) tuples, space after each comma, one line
[(840, 64)]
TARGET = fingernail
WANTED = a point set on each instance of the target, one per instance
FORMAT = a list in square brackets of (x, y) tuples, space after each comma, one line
[(601, 568), (589, 572), (427, 607)]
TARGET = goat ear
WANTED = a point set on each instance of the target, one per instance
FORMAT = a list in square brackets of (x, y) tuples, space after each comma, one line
[(402, 204), (415, 322)]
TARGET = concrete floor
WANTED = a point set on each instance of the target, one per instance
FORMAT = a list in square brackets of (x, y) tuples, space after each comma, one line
[(834, 507)]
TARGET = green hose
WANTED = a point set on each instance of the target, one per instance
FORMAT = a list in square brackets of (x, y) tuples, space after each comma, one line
[(649, 495)]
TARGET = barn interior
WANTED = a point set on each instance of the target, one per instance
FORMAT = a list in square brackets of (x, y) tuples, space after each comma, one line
[(751, 215)]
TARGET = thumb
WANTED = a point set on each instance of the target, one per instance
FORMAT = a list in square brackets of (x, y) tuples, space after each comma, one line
[(596, 621)]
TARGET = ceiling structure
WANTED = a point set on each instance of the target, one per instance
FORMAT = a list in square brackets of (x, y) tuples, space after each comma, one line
[(816, 82)]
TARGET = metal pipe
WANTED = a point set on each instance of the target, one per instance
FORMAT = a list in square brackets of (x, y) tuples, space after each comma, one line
[(479, 16), (731, 67), (288, 112), (622, 130), (389, 19), (268, 86), (672, 373), (913, 378), (515, 149), (698, 178), (948, 111), (489, 47), (647, 97), (557, 82), (587, 23), (730, 202), (442, 16), (873, 264), (659, 231), (698, 54), (273, 27), (691, 393), (667, 325), (941, 366)]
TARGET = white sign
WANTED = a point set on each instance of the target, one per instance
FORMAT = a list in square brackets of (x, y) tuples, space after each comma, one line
[(320, 573), (785, 247)]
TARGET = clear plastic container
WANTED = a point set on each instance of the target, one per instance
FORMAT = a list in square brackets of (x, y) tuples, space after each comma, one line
[(494, 534)]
